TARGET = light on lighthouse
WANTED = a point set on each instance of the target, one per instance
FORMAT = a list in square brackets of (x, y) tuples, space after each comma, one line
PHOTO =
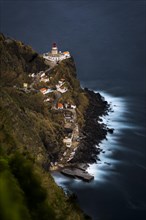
[(54, 49)]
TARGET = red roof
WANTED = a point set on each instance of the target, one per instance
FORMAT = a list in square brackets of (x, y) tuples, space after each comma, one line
[(43, 90), (54, 45), (59, 105)]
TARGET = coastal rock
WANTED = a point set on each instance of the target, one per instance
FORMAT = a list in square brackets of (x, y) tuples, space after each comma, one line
[(93, 131), (79, 173), (110, 130)]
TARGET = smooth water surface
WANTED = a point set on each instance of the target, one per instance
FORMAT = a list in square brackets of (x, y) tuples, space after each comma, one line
[(119, 187)]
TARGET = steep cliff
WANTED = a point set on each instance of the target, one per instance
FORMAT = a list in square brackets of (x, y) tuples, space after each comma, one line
[(31, 135)]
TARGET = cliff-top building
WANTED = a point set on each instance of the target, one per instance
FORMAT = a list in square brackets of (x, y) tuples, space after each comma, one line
[(55, 56)]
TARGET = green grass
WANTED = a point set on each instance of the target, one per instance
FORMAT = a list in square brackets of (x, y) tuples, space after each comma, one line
[(31, 135)]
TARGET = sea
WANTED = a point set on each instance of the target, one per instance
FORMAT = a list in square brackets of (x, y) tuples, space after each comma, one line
[(107, 42)]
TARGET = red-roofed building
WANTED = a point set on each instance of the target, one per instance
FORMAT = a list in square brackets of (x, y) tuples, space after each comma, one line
[(60, 106), (43, 90)]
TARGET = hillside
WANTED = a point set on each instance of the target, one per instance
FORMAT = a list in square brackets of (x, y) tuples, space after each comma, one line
[(32, 132)]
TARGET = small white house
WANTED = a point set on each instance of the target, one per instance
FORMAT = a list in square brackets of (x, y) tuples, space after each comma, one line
[(43, 74), (60, 83), (67, 141), (73, 106), (48, 91), (44, 80), (32, 75), (68, 145), (62, 90), (47, 100), (25, 85)]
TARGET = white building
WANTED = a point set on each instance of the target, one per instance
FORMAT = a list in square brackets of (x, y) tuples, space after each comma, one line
[(55, 56), (44, 80), (67, 141), (73, 106), (45, 91), (63, 90), (43, 74), (47, 100)]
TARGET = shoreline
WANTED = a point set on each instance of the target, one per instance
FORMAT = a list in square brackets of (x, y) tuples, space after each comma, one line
[(93, 132)]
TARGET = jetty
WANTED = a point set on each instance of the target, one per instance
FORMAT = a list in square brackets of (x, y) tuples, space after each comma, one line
[(77, 173)]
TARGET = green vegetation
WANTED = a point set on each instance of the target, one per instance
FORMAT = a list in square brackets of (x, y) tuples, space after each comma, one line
[(75, 95), (22, 196), (17, 60), (12, 202), (31, 135), (27, 192)]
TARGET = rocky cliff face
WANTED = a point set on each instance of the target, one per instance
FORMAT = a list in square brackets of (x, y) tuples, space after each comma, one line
[(17, 60), (32, 126), (31, 134)]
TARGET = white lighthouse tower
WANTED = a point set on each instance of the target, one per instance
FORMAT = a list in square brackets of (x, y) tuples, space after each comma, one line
[(54, 50), (55, 56)]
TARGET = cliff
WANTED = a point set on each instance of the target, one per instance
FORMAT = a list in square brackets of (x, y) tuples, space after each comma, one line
[(31, 134)]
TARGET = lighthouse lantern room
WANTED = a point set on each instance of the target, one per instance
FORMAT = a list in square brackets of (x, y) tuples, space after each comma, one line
[(54, 50)]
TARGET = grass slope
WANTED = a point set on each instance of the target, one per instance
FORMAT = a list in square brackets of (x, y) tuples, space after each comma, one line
[(30, 136)]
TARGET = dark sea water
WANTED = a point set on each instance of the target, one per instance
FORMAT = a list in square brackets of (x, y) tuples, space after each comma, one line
[(107, 41)]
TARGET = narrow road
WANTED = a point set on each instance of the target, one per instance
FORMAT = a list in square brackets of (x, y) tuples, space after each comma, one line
[(57, 97)]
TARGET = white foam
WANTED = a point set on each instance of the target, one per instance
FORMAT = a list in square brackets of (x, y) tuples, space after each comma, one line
[(115, 119)]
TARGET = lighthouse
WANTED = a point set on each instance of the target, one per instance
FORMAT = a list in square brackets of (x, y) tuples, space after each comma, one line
[(54, 56), (54, 50)]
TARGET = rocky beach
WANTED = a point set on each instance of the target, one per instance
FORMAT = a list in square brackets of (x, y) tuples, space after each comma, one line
[(93, 132)]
